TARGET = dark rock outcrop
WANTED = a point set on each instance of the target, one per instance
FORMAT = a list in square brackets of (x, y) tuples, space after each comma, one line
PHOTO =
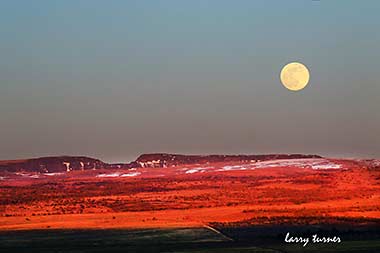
[(165, 160), (52, 164)]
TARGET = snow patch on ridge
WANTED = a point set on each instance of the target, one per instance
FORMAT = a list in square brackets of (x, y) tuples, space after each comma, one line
[(315, 163), (116, 174), (27, 175), (326, 166), (119, 174), (318, 163), (53, 174), (234, 167), (132, 174), (196, 170)]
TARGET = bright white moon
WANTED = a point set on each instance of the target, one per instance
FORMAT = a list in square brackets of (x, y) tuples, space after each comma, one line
[(295, 76)]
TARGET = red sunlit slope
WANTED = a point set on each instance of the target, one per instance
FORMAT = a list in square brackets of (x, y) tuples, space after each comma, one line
[(193, 194)]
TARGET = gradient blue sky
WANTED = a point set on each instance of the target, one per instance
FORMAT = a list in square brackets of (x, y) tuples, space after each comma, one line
[(114, 79)]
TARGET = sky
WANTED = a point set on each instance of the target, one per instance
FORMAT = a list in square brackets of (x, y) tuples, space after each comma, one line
[(115, 79)]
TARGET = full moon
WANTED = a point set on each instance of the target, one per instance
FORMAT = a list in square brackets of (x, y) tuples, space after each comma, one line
[(294, 76)]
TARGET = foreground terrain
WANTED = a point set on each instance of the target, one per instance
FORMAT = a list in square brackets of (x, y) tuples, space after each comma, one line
[(230, 200)]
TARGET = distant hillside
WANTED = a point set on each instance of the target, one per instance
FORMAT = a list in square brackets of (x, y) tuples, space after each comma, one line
[(52, 164), (166, 160), (158, 160)]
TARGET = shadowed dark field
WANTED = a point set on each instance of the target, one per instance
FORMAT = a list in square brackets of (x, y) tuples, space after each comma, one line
[(182, 240)]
